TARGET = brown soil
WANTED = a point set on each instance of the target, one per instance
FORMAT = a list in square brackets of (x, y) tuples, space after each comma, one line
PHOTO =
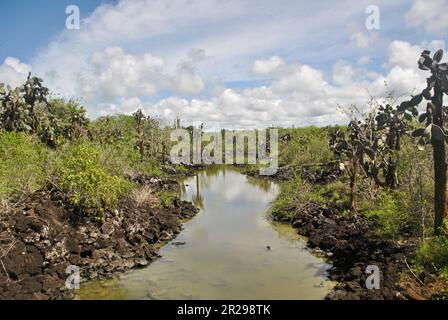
[(40, 238), (423, 286)]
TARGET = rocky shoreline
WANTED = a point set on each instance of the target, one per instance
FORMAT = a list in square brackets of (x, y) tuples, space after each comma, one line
[(40, 238), (350, 247), (345, 241), (320, 175)]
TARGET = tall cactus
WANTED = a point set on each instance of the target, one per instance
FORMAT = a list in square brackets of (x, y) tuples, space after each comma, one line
[(434, 133)]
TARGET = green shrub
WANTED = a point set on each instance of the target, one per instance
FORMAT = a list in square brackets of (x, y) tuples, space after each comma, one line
[(283, 200), (336, 192), (113, 129), (118, 159), (182, 169), (301, 146), (63, 121), (89, 188), (292, 192), (391, 214), (417, 181), (296, 193), (433, 255), (150, 168), (117, 137), (167, 198), (22, 164)]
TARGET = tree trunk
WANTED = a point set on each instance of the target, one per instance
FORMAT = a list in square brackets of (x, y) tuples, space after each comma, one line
[(440, 167), (353, 183), (391, 178), (394, 147)]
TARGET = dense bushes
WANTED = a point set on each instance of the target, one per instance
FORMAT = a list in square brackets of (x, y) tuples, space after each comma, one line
[(30, 109), (89, 188), (50, 142), (65, 120), (83, 170), (290, 190), (87, 161), (22, 165), (390, 209), (433, 255), (297, 193), (300, 146)]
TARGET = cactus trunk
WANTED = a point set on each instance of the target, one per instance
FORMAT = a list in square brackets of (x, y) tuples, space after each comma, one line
[(440, 166)]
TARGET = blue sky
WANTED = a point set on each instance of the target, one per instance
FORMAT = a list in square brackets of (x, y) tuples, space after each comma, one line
[(35, 23), (232, 63)]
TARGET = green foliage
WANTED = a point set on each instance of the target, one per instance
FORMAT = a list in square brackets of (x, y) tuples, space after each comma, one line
[(22, 165), (150, 168), (391, 214), (19, 107), (335, 192), (284, 199), (65, 120), (117, 136), (293, 194), (152, 141), (300, 146), (297, 193), (167, 198), (434, 133), (89, 188), (433, 255), (111, 130), (181, 169), (417, 183), (27, 109)]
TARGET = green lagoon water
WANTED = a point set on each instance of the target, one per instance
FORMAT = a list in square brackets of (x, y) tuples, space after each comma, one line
[(225, 255)]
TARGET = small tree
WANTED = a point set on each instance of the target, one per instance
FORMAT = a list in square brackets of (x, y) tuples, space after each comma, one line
[(353, 149), (434, 133), (389, 127), (106, 131), (14, 115), (27, 109), (62, 120), (372, 145), (140, 143), (152, 140), (19, 107), (35, 96)]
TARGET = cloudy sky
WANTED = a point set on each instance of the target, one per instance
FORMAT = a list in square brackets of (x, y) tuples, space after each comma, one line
[(226, 63)]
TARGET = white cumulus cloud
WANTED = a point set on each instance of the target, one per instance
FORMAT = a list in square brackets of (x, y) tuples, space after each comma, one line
[(429, 14), (300, 95), (363, 39), (13, 72), (265, 67)]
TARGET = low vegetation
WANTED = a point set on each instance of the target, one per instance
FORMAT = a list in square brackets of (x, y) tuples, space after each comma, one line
[(50, 143), (88, 187), (433, 255), (22, 165)]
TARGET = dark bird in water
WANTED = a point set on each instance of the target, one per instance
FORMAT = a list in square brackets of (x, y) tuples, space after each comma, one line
[(268, 247)]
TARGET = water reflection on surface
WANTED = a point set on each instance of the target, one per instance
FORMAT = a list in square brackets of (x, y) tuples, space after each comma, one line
[(225, 255)]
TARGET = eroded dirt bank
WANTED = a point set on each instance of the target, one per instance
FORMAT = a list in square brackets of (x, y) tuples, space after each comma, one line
[(40, 238)]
